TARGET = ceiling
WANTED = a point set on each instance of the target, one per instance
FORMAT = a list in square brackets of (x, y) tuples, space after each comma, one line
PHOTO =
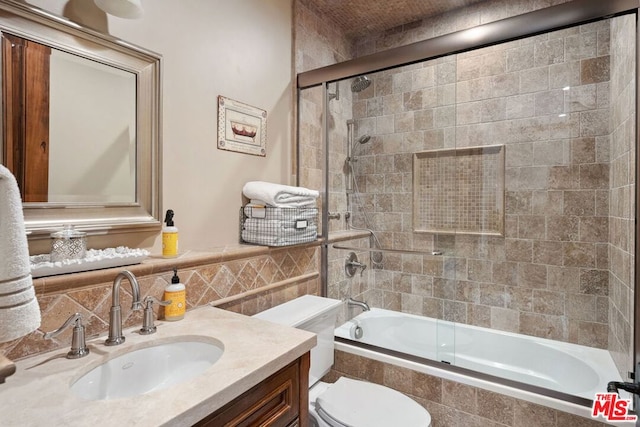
[(360, 17)]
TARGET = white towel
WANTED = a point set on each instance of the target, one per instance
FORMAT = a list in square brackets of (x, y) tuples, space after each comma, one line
[(14, 251), (282, 196), (19, 310), (301, 203)]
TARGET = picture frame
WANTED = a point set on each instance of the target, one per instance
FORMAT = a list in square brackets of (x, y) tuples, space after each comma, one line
[(241, 127)]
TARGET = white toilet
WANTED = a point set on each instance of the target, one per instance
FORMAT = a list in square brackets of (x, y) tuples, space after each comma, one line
[(346, 402)]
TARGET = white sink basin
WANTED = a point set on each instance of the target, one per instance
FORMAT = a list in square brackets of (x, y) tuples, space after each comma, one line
[(148, 369)]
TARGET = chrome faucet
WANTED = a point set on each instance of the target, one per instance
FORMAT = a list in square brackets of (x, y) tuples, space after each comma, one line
[(363, 305), (115, 315)]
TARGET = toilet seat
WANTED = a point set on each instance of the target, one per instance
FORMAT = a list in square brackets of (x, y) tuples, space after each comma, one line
[(356, 403)]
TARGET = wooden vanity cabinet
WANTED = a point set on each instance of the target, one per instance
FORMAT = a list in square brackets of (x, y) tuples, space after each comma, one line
[(279, 401)]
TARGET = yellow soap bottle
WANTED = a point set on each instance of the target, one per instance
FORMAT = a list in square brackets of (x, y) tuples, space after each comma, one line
[(169, 237), (176, 292)]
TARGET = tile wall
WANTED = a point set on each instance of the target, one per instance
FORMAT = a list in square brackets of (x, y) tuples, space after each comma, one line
[(622, 192), (548, 275), (459, 190), (519, 282), (565, 266), (231, 279), (317, 44), (453, 404)]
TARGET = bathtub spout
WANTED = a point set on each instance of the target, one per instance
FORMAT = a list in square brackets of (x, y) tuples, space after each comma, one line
[(613, 387), (363, 305)]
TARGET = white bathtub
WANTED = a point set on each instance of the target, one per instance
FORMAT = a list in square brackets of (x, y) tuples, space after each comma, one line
[(567, 368)]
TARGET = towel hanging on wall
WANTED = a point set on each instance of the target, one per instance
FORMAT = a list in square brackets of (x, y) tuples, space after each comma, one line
[(19, 309)]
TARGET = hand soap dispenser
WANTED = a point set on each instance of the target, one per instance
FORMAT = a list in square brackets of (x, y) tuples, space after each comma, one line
[(176, 292), (169, 237)]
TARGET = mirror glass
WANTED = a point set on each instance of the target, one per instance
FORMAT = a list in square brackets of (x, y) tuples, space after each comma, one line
[(80, 124), (82, 149), (92, 156)]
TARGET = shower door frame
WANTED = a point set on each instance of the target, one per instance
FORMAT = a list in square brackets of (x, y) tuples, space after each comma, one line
[(568, 14)]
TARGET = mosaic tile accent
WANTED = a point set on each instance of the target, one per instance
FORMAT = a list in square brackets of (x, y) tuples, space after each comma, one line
[(459, 191)]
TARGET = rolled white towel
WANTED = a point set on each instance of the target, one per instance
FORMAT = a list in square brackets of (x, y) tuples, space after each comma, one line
[(23, 296), (19, 310), (301, 203), (23, 320), (14, 251), (279, 195)]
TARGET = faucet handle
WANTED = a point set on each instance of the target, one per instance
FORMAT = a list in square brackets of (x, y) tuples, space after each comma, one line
[(147, 321), (78, 342), (362, 268), (351, 265)]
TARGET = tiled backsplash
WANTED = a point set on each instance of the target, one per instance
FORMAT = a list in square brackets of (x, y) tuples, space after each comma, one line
[(243, 279), (453, 404)]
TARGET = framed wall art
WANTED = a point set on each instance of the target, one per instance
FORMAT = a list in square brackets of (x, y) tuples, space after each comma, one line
[(241, 127)]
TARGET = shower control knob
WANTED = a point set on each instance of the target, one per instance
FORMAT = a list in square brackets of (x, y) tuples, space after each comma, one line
[(351, 265)]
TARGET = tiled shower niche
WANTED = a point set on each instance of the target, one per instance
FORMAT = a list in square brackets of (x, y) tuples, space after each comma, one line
[(459, 191)]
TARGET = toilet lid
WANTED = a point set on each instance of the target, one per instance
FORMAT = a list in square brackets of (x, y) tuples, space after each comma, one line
[(357, 403)]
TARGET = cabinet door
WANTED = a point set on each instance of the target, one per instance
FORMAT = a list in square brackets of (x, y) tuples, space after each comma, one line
[(273, 403)]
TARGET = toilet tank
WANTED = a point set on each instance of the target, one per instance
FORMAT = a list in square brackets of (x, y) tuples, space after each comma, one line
[(314, 314)]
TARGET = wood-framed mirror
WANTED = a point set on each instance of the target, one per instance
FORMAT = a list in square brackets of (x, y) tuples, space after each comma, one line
[(80, 124)]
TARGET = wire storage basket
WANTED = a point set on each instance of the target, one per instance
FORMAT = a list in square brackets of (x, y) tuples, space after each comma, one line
[(269, 226)]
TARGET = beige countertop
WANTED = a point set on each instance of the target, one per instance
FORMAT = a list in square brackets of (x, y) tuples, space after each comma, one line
[(38, 393)]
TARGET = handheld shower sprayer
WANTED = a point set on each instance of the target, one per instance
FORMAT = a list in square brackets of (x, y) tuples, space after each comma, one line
[(364, 139), (360, 141)]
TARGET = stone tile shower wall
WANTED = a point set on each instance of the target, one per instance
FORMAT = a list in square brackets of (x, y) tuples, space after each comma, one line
[(317, 44), (548, 275), (594, 306), (622, 192)]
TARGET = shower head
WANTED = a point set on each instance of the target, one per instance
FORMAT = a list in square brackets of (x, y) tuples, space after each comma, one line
[(364, 139), (360, 83)]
